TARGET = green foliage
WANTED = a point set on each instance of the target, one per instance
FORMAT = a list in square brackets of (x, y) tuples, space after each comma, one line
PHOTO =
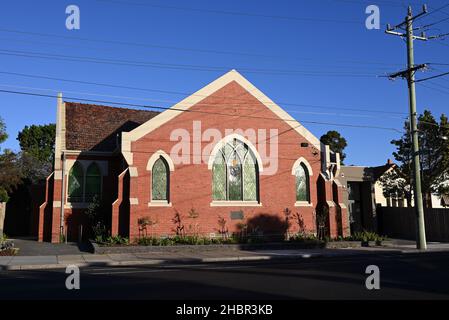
[(38, 141), (185, 240), (365, 236), (304, 237), (434, 153), (37, 151), (112, 240), (3, 195), (10, 173), (3, 134), (336, 143), (96, 218)]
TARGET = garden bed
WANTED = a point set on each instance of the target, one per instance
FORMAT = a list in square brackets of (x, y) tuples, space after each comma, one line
[(135, 248)]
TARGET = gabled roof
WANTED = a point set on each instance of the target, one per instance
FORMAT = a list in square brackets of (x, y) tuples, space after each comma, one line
[(90, 127), (380, 170), (187, 103)]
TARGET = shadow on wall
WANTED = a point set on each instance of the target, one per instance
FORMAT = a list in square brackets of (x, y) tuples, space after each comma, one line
[(268, 226)]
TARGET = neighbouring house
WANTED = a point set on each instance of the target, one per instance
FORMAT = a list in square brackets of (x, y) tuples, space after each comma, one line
[(227, 151), (363, 193)]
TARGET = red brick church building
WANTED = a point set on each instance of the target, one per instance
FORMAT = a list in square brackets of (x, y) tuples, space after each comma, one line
[(226, 151)]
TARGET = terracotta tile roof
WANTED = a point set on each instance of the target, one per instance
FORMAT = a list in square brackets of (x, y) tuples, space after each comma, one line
[(94, 127)]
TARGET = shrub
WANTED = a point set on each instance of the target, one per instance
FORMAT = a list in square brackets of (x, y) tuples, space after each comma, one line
[(304, 237), (365, 236), (3, 195), (112, 240)]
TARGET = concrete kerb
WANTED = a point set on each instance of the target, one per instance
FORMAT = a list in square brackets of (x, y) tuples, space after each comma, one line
[(155, 262)]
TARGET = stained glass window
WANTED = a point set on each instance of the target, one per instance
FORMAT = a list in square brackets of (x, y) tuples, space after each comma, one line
[(235, 173), (235, 177), (250, 179), (219, 178), (93, 182), (76, 183), (302, 183), (159, 180)]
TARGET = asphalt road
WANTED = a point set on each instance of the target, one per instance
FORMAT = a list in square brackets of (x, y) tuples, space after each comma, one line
[(402, 276)]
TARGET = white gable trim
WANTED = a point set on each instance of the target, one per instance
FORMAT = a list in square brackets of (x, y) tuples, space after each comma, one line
[(185, 104)]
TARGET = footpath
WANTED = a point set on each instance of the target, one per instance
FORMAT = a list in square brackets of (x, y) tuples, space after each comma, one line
[(50, 256)]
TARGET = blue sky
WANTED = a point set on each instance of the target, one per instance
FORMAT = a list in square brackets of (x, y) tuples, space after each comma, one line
[(335, 58)]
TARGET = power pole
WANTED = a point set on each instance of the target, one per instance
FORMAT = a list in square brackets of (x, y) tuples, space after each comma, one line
[(409, 74)]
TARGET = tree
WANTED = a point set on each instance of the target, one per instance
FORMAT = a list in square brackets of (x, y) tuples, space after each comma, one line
[(336, 143), (37, 143), (434, 154), (3, 134), (10, 174)]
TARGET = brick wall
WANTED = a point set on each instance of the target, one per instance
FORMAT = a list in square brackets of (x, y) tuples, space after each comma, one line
[(191, 184)]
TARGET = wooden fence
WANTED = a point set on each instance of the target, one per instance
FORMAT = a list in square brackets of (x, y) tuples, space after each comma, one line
[(401, 223)]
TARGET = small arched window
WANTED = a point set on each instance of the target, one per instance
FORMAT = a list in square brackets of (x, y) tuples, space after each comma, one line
[(93, 182), (235, 173), (160, 180), (302, 183), (76, 183)]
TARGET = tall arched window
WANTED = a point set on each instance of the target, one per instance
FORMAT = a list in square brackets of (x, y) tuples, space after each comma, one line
[(160, 180), (76, 183), (93, 182), (235, 173), (302, 183)]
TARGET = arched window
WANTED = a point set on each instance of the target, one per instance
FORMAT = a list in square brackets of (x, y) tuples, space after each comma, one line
[(302, 183), (235, 173), (160, 180), (76, 183), (93, 182)]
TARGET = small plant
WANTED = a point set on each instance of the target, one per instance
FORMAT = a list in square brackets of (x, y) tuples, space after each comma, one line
[(177, 220), (304, 237), (223, 230), (321, 221), (365, 237), (96, 219), (243, 230), (143, 223), (194, 228), (112, 240), (287, 213)]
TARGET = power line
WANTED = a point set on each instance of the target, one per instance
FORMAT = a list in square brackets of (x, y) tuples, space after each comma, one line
[(195, 94), (199, 103), (48, 56), (197, 111), (233, 13), (432, 12), (177, 48), (433, 77)]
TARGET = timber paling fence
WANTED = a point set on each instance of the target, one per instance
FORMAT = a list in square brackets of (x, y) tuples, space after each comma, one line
[(396, 222)]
